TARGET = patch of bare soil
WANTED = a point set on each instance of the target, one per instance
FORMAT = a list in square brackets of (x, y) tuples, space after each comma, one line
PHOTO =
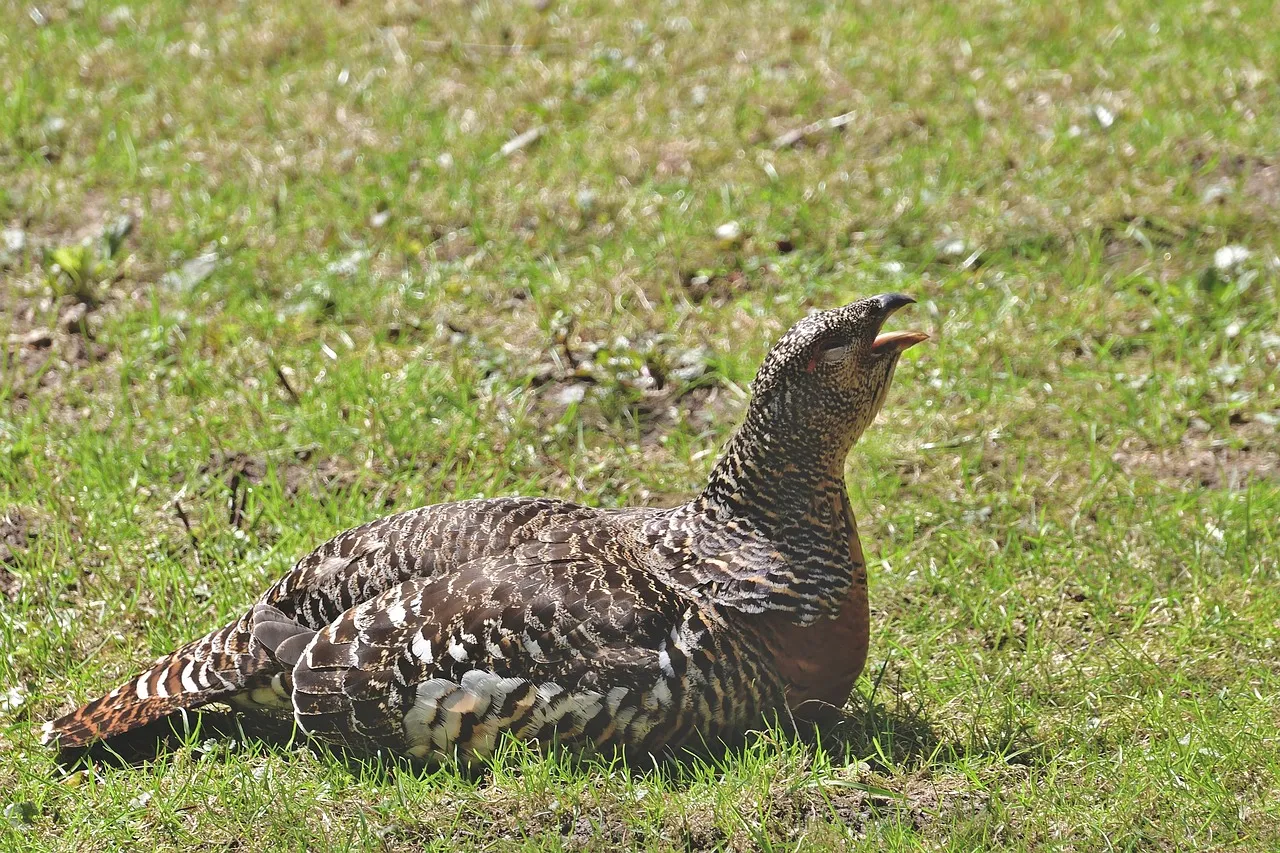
[(75, 224), (789, 810), (15, 536), (652, 383), (50, 314), (298, 473), (1262, 186), (1254, 180), (1197, 465), (655, 410), (48, 340), (714, 287)]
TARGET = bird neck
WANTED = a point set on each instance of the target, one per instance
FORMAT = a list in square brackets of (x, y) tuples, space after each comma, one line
[(773, 480), (771, 532)]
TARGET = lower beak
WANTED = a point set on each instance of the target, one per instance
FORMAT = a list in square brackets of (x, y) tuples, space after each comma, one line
[(895, 342)]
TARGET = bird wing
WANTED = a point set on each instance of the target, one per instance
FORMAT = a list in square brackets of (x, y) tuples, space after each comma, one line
[(250, 660), (567, 635), (360, 563)]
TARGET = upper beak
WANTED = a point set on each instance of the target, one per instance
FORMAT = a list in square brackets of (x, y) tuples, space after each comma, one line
[(895, 341)]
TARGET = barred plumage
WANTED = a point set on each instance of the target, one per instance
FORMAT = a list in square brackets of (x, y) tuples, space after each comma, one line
[(432, 632)]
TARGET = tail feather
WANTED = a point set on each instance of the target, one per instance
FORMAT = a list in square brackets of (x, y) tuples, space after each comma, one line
[(249, 663), (201, 672), (114, 714)]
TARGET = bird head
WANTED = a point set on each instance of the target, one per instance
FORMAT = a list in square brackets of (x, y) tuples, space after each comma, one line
[(826, 379)]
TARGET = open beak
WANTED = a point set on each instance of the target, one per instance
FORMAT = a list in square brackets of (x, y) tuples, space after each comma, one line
[(896, 342)]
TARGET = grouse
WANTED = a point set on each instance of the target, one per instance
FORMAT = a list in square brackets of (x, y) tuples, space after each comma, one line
[(431, 633)]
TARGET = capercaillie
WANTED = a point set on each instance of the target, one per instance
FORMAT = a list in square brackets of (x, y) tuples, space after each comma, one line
[(432, 632)]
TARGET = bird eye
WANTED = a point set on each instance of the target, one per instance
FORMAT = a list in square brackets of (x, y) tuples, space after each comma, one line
[(833, 352), (827, 352)]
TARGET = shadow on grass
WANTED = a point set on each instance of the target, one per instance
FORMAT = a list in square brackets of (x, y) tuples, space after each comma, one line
[(896, 735), (185, 728), (888, 735)]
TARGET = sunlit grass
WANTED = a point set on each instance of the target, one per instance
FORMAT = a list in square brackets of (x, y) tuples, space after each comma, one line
[(340, 298)]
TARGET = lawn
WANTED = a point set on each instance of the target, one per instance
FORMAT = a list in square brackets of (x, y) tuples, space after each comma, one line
[(269, 270)]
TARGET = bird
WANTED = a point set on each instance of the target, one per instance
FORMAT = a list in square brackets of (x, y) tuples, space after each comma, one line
[(436, 632)]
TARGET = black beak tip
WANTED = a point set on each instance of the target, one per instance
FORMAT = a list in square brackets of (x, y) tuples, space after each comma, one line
[(890, 302)]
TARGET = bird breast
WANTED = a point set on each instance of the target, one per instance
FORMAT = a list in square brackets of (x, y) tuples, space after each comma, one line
[(820, 662)]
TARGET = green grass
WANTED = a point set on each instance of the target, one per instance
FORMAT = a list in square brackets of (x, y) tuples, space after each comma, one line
[(339, 298)]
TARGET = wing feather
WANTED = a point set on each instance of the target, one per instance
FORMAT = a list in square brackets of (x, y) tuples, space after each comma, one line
[(525, 642)]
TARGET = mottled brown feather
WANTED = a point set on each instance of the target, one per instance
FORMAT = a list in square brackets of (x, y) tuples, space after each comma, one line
[(436, 631)]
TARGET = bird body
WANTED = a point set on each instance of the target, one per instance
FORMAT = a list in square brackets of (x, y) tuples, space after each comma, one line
[(434, 632)]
